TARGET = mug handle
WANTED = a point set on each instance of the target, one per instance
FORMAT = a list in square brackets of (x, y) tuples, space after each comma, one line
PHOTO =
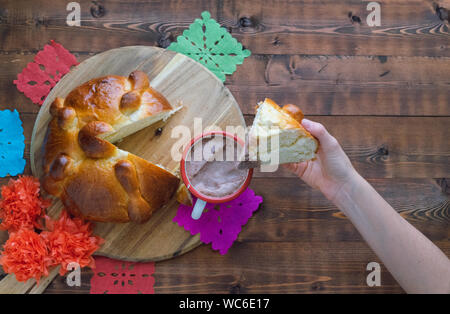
[(198, 209)]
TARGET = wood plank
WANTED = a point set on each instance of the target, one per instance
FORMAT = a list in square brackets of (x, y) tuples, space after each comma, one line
[(409, 28), (292, 211), (12, 64), (379, 147), (320, 85), (59, 285), (297, 214), (315, 258), (335, 85), (265, 267), (391, 147), (305, 52)]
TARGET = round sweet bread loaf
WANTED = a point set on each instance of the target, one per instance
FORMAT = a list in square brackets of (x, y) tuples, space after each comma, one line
[(93, 178)]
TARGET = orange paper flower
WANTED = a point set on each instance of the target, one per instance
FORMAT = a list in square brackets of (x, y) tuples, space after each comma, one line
[(25, 254), (70, 240), (30, 255), (20, 205)]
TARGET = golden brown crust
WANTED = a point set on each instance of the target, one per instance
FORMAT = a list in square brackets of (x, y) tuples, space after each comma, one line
[(293, 118), (138, 209), (55, 105), (94, 193), (139, 80), (93, 146), (294, 112), (157, 185), (130, 102), (60, 167), (98, 99), (93, 178), (183, 195), (288, 122)]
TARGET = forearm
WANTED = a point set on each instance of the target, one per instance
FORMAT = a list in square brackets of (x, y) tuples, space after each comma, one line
[(414, 261)]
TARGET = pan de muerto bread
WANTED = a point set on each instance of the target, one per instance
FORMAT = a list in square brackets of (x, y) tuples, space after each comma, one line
[(95, 179)]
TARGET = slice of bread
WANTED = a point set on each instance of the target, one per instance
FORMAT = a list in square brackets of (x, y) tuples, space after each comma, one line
[(294, 143)]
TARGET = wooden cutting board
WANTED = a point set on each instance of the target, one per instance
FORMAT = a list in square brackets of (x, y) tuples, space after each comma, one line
[(178, 78)]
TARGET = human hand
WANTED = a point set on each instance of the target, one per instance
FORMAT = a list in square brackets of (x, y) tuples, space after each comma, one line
[(331, 169)]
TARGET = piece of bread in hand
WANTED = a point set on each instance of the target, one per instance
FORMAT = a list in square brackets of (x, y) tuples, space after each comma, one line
[(295, 144)]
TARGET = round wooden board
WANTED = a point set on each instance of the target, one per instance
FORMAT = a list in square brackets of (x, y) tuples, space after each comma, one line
[(178, 78)]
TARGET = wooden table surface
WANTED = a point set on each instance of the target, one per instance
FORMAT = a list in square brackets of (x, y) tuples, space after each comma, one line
[(382, 91)]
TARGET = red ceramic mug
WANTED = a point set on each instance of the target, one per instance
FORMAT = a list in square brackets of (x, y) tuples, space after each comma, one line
[(202, 199)]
